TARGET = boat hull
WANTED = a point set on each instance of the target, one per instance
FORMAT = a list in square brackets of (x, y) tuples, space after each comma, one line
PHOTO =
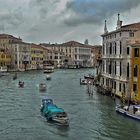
[(61, 121), (126, 113)]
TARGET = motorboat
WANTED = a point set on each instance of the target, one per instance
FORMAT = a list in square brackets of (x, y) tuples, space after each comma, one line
[(48, 77), (48, 68), (53, 113), (132, 111), (21, 84), (83, 81), (3, 69), (42, 87), (86, 82), (90, 76)]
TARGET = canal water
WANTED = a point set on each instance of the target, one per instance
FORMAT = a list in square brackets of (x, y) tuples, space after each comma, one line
[(92, 117)]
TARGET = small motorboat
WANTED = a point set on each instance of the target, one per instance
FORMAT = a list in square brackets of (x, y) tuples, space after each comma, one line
[(90, 76), (83, 81), (86, 82), (42, 87), (48, 68), (21, 84), (48, 77), (53, 113), (132, 111)]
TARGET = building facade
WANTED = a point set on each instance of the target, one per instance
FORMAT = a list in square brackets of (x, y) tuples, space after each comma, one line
[(6, 49), (135, 68), (116, 58), (75, 53), (21, 56), (36, 56), (96, 55)]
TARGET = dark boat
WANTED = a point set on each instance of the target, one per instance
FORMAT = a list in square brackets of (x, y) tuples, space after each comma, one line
[(48, 77), (42, 87), (90, 76), (21, 84)]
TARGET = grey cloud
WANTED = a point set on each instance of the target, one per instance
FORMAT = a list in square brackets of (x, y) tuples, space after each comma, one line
[(2, 28), (11, 19), (95, 11), (43, 6)]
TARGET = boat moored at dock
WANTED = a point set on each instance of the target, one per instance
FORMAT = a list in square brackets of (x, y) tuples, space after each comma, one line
[(132, 111), (86, 81), (90, 76)]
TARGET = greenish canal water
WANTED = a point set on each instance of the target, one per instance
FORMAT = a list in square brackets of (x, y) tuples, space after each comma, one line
[(91, 117)]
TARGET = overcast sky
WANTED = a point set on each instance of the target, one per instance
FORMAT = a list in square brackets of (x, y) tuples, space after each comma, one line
[(43, 21)]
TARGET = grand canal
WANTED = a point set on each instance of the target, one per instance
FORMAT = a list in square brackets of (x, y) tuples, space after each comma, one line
[(91, 117)]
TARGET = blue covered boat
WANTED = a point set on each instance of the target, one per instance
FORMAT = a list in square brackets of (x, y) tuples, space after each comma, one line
[(53, 113)]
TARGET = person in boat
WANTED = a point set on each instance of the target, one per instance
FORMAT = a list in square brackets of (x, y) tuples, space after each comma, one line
[(134, 109)]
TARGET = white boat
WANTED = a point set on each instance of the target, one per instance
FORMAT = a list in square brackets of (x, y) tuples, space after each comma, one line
[(60, 118), (132, 111), (42, 87), (86, 82), (48, 77), (48, 68), (3, 69)]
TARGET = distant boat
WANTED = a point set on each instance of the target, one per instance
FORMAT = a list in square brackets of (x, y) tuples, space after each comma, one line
[(48, 68), (42, 87), (3, 71), (86, 82), (21, 84), (90, 76), (48, 77), (53, 113)]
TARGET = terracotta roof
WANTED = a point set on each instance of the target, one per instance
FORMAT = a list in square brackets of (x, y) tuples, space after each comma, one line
[(2, 36), (72, 43), (69, 44), (36, 46), (133, 25)]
